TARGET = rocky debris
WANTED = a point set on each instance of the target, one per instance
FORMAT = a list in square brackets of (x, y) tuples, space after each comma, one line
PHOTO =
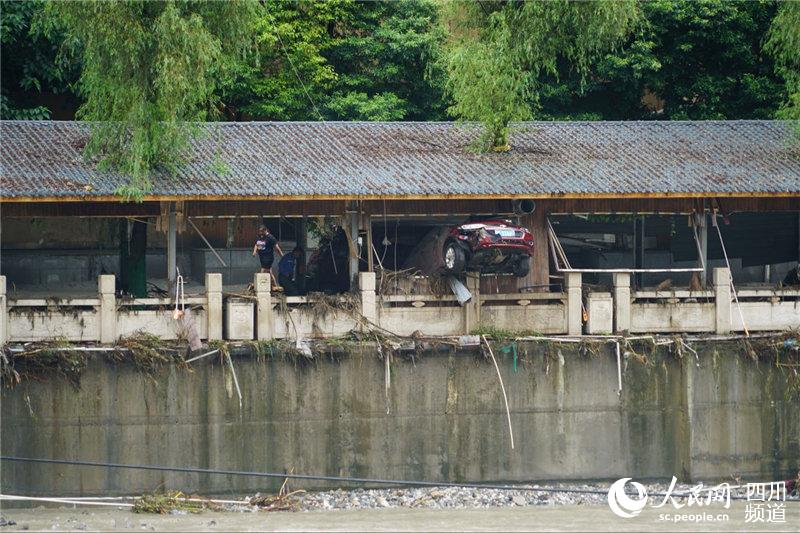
[(467, 497), (443, 498), (4, 522)]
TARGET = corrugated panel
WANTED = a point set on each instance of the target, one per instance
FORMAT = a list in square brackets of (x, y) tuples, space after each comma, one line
[(300, 159)]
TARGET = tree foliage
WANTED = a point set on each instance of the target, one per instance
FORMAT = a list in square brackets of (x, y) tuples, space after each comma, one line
[(342, 60), (149, 69), (500, 50), (687, 60), (784, 44), (30, 65), (142, 71)]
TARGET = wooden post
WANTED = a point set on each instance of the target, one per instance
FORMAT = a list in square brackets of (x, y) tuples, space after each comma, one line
[(368, 244), (172, 245), (108, 308), (3, 312), (302, 241), (539, 276), (638, 247), (264, 330), (214, 305), (702, 233), (354, 223), (230, 226)]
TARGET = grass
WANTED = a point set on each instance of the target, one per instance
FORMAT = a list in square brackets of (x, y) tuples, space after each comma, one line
[(165, 502)]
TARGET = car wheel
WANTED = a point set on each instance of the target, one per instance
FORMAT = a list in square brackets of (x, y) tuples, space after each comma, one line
[(522, 267), (454, 258)]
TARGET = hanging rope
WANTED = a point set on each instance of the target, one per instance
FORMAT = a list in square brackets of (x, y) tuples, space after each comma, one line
[(180, 298), (730, 276)]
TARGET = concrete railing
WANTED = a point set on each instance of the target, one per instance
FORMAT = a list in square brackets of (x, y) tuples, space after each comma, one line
[(685, 311), (265, 316), (406, 314), (105, 318)]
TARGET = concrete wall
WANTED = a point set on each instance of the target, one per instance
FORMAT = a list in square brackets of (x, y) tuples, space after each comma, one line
[(720, 417)]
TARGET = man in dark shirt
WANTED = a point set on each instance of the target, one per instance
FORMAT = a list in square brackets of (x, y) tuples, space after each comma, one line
[(288, 270), (265, 244)]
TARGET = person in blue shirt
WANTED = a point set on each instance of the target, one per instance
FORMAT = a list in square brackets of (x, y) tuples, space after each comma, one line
[(289, 268)]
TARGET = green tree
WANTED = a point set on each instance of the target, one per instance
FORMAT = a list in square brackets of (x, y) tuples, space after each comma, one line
[(341, 60), (784, 44), (688, 60), (31, 73), (149, 69), (499, 52)]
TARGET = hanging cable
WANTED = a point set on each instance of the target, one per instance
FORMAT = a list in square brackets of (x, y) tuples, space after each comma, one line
[(291, 63), (730, 276), (370, 481)]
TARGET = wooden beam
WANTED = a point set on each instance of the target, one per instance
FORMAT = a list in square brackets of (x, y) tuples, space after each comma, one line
[(362, 197), (539, 275)]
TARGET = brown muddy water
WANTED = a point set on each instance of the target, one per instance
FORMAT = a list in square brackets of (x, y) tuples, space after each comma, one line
[(534, 518)]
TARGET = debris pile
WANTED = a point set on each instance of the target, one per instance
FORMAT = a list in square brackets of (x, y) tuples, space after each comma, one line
[(173, 502)]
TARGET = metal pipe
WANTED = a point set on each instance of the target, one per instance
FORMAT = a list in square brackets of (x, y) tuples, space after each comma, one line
[(206, 241)]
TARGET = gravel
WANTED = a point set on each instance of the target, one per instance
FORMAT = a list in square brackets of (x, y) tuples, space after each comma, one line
[(471, 498)]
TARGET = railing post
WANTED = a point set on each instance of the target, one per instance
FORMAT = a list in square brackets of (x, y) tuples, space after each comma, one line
[(472, 309), (366, 284), (574, 298), (722, 299), (261, 282), (3, 312), (106, 284), (214, 305), (622, 302)]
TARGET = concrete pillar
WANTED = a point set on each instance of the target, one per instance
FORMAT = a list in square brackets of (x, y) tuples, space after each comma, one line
[(214, 305), (622, 302), (172, 246), (574, 299), (3, 312), (262, 285), (366, 284), (722, 298), (106, 284), (472, 309)]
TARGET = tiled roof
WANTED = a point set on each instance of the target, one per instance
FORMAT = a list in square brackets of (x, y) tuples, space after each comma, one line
[(358, 159)]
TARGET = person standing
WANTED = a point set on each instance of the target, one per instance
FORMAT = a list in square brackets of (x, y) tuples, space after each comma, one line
[(265, 245)]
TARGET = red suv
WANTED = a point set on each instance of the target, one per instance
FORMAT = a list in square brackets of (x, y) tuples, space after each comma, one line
[(493, 245)]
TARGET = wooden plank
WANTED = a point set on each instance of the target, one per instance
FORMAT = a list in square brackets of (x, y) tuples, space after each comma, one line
[(234, 206)]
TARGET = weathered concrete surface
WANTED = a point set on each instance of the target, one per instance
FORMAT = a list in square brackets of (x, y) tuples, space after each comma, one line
[(727, 416)]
